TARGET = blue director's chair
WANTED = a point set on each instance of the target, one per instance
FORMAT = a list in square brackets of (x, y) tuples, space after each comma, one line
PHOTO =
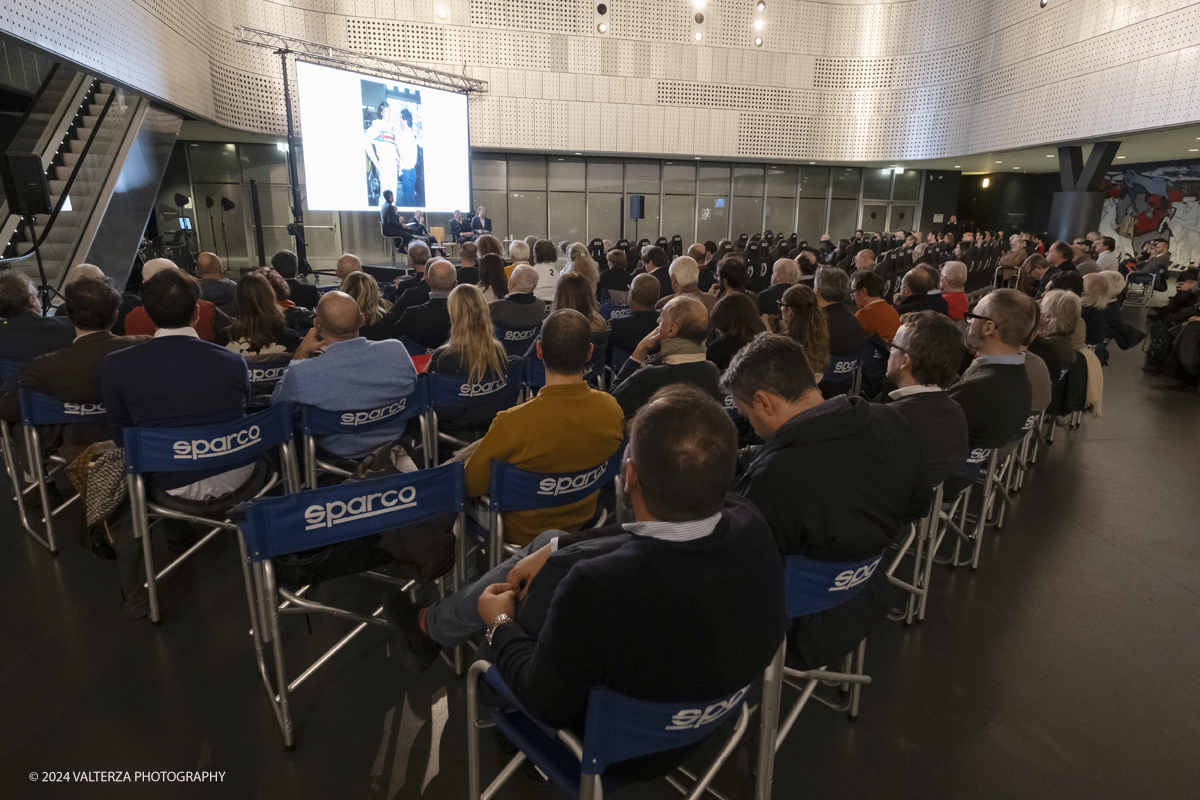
[(10, 369), (617, 728), (535, 372), (842, 375), (221, 446), (393, 417), (810, 587), (450, 391), (516, 341), (40, 409), (279, 526)]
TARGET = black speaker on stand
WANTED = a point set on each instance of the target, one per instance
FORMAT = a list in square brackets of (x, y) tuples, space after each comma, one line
[(28, 194), (208, 201), (637, 211), (226, 205)]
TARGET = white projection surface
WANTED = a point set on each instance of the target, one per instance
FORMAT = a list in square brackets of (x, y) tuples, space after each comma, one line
[(364, 135)]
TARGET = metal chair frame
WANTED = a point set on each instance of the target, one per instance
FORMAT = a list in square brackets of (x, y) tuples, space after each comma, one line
[(920, 542), (590, 785)]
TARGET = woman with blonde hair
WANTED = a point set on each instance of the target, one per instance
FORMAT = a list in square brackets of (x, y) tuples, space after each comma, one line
[(473, 354), (379, 324), (580, 262), (260, 328), (1101, 311), (804, 322)]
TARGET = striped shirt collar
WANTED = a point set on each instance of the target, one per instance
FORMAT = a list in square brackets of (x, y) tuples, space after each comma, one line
[(1016, 358), (674, 531)]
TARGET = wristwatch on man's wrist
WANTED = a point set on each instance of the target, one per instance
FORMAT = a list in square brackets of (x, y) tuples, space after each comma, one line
[(496, 623)]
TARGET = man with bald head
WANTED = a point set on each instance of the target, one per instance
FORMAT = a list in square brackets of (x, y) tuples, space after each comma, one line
[(865, 259), (679, 338), (409, 292), (428, 324), (347, 264), (784, 276), (214, 286), (337, 370), (708, 271)]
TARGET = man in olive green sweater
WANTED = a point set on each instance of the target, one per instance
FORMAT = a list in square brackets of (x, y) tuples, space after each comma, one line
[(568, 427)]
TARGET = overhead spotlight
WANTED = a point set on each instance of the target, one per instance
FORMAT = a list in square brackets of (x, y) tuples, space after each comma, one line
[(699, 18), (986, 181), (600, 19), (761, 6), (1050, 156), (1044, 2), (999, 162), (1120, 157), (1016, 167), (699, 36), (698, 3), (602, 27), (958, 166), (443, 12), (601, 9), (758, 41), (758, 23)]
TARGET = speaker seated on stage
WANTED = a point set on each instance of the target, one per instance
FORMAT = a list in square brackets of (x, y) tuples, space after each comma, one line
[(480, 223), (520, 309), (209, 318), (336, 369), (214, 286), (460, 229), (417, 228), (393, 223), (287, 265), (428, 323), (692, 579), (72, 374), (24, 332), (808, 481)]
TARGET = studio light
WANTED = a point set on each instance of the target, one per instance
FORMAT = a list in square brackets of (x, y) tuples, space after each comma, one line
[(1044, 2), (227, 204), (181, 199)]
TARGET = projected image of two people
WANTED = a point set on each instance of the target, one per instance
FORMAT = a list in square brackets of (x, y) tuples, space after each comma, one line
[(392, 140)]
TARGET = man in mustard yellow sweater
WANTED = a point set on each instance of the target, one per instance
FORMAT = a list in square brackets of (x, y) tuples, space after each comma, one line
[(568, 427)]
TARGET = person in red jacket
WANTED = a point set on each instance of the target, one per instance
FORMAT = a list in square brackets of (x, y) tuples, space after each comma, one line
[(209, 320), (953, 283)]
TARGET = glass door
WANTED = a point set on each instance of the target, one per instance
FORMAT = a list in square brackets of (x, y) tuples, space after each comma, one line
[(874, 217), (901, 217)]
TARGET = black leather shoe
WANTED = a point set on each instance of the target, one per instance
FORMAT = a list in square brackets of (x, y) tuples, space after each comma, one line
[(417, 650)]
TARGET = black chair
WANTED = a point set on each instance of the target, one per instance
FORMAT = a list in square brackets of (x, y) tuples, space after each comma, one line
[(676, 246), (742, 239), (596, 250), (662, 242)]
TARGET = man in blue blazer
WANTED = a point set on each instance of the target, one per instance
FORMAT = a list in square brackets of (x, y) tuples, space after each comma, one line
[(24, 332)]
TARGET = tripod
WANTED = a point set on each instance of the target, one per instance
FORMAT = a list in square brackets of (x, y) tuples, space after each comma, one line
[(46, 292)]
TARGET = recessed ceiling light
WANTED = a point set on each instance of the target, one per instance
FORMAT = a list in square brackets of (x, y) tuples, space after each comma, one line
[(958, 166), (602, 27), (761, 6), (1016, 167), (699, 36), (1050, 156), (1194, 150), (999, 162), (985, 182), (812, 162), (697, 158), (1120, 156), (758, 23), (442, 12), (758, 42), (579, 154)]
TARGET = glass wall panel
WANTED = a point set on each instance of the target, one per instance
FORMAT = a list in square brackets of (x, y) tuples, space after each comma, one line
[(527, 172), (497, 209), (641, 177), (264, 163), (747, 216), (814, 181), (811, 219), (222, 232), (567, 174), (679, 216), (714, 179), (908, 185), (527, 213), (644, 228), (487, 174), (877, 184), (843, 216), (845, 182), (213, 162), (604, 215), (747, 180), (679, 178), (605, 175), (781, 182), (568, 216), (712, 217), (780, 211), (874, 217)]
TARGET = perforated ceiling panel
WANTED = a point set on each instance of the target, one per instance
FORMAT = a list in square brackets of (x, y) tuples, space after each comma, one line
[(834, 80)]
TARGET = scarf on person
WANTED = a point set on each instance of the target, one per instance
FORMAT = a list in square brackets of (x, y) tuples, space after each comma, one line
[(681, 351)]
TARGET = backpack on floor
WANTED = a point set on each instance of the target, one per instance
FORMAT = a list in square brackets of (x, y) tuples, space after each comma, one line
[(1157, 344)]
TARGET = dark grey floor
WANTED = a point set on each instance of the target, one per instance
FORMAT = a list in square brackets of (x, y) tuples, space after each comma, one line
[(1066, 667)]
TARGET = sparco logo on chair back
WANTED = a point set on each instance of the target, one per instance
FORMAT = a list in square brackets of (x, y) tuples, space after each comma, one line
[(361, 507), (557, 486), (690, 718), (363, 417), (220, 446)]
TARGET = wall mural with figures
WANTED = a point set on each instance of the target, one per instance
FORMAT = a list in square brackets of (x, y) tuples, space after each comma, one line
[(1151, 201)]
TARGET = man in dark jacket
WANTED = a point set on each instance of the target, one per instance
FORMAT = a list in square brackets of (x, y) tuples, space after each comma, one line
[(784, 275), (926, 353), (287, 265), (915, 288), (642, 319), (675, 598), (428, 324), (680, 337), (846, 337), (836, 480), (24, 332), (214, 286)]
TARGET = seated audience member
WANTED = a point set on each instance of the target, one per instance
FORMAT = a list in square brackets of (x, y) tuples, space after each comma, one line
[(520, 308), (997, 397), (346, 264), (865, 259), (804, 323), (707, 274), (260, 328), (615, 280), (615, 613), (472, 354), (486, 245), (468, 257), (209, 318), (297, 318), (736, 321), (1015, 256), (953, 285), (24, 332), (1053, 348), (1106, 256), (531, 242), (545, 257), (684, 272), (1058, 260), (627, 331), (532, 435), (680, 337), (654, 259), (731, 277), (409, 292), (874, 313), (350, 374), (287, 265), (808, 479), (428, 324), (1062, 317), (1041, 389), (72, 373), (1183, 305), (580, 262), (519, 252), (846, 336), (1101, 311), (493, 283), (378, 324), (1084, 264), (129, 301), (784, 274), (1160, 256), (807, 261), (391, 223), (1070, 281), (926, 353), (916, 292), (575, 292), (214, 286)]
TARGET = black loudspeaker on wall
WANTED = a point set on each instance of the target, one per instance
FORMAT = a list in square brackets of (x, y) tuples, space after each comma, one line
[(25, 184), (637, 206)]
